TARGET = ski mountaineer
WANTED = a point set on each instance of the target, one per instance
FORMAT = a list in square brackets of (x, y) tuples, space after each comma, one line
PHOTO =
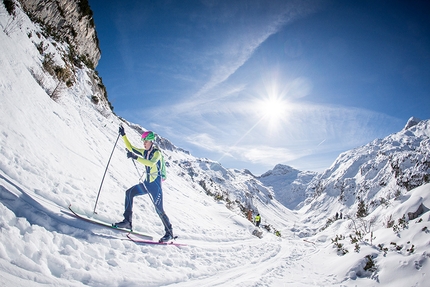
[(153, 160), (257, 220)]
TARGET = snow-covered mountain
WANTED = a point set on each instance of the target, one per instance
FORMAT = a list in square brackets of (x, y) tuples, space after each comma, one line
[(289, 184), (376, 173), (58, 130)]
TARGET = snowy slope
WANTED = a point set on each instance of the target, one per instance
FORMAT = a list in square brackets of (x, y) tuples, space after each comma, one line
[(54, 153), (376, 173)]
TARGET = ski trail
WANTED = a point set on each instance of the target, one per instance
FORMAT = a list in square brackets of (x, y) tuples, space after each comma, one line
[(247, 261), (271, 263)]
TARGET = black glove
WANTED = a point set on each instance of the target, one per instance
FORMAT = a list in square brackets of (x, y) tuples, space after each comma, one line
[(132, 155), (121, 131)]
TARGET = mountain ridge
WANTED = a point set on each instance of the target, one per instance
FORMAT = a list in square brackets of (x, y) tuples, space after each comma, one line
[(377, 172)]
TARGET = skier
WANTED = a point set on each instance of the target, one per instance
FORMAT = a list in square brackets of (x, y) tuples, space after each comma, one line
[(153, 160), (257, 220)]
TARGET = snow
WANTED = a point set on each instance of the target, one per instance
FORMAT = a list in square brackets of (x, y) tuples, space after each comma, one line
[(54, 153), (284, 178)]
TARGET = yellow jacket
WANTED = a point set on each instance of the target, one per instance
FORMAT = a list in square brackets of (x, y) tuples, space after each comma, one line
[(152, 159)]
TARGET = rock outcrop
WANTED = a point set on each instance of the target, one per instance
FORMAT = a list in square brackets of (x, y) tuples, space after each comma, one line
[(72, 21)]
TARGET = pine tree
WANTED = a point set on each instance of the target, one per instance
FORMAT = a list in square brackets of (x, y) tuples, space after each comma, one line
[(362, 209)]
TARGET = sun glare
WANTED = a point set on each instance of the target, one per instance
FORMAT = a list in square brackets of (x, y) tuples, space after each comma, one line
[(273, 108), (272, 111)]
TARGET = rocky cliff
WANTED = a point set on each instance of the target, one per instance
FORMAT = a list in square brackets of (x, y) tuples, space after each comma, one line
[(69, 20)]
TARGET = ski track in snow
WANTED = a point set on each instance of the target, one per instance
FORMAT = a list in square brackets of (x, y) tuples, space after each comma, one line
[(257, 262), (251, 255)]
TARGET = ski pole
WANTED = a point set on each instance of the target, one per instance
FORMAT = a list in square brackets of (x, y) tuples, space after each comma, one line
[(137, 170), (105, 173)]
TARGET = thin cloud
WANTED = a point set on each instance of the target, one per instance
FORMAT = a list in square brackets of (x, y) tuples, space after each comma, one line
[(302, 135), (236, 49), (246, 32), (222, 117), (267, 154), (207, 142)]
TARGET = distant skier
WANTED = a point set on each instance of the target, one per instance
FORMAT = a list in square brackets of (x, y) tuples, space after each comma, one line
[(257, 220), (153, 160)]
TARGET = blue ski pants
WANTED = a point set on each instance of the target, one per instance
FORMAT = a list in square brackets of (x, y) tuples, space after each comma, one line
[(155, 192)]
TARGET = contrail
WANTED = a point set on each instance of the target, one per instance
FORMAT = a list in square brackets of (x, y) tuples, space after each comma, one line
[(321, 142)]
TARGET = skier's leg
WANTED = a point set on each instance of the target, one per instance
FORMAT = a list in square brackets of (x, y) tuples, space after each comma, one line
[(130, 193), (156, 193)]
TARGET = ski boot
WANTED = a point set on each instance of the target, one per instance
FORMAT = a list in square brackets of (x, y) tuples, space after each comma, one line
[(168, 236), (123, 224), (126, 223)]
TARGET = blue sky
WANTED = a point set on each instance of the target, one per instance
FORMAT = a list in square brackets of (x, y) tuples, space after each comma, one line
[(255, 83)]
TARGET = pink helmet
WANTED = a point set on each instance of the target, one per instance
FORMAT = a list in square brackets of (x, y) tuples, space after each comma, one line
[(148, 136)]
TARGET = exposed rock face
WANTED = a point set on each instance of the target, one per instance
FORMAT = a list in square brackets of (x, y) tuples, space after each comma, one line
[(421, 209), (72, 20)]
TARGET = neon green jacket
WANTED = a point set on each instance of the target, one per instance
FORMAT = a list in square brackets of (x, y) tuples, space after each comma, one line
[(152, 159)]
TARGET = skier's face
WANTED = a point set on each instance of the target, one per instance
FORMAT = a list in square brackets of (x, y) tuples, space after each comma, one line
[(147, 144)]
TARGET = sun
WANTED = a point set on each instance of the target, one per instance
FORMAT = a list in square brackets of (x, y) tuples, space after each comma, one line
[(272, 111), (273, 108)]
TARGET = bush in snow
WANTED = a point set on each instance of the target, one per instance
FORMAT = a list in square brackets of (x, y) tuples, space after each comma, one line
[(362, 209), (366, 267), (341, 250)]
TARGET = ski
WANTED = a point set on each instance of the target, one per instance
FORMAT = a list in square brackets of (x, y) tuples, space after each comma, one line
[(151, 242), (105, 224)]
